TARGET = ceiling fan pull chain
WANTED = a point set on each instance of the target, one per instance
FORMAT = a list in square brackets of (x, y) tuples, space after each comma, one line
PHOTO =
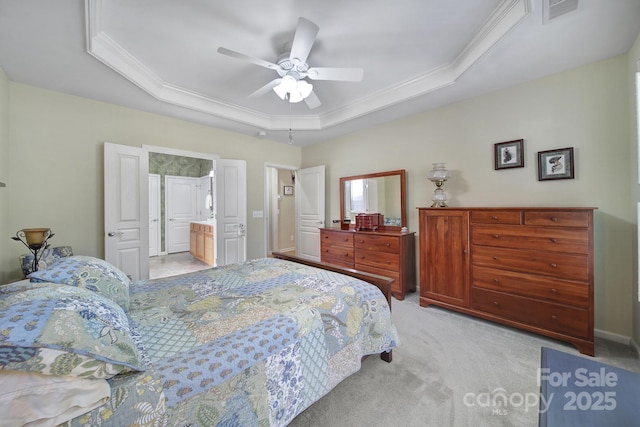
[(290, 131)]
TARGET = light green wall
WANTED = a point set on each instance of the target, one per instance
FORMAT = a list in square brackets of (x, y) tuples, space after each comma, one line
[(584, 108), (4, 177), (56, 168), (633, 67)]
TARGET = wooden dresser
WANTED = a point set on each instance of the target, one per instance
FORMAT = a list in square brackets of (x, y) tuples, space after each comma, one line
[(201, 241), (531, 268), (386, 253)]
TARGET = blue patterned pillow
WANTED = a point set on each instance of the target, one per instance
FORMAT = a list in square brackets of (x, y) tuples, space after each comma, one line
[(88, 272), (65, 330)]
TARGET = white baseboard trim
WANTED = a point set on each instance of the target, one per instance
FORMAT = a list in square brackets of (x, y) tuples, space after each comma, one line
[(635, 345), (287, 249), (622, 339)]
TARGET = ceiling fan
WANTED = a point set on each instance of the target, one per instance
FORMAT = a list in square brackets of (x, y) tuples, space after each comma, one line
[(293, 70)]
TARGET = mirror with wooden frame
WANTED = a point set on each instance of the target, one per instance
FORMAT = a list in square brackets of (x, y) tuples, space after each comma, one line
[(382, 192)]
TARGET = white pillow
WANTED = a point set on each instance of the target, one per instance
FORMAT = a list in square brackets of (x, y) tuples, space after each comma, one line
[(36, 400)]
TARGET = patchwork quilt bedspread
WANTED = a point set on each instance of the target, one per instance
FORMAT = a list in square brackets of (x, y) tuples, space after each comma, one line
[(251, 344)]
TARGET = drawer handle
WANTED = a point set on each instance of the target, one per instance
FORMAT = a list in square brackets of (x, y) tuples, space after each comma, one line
[(553, 240), (554, 218), (346, 254), (388, 244), (554, 291), (361, 241), (361, 256), (496, 280), (495, 258), (496, 236), (553, 265), (496, 303), (495, 218), (554, 317)]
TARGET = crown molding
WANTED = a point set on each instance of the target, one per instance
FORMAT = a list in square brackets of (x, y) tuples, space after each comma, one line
[(106, 50)]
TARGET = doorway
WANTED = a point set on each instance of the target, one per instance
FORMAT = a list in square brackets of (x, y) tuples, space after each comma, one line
[(280, 209), (176, 164), (126, 213)]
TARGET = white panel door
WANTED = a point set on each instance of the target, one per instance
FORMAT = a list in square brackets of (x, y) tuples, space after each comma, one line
[(180, 206), (154, 214), (310, 205), (231, 211), (126, 215)]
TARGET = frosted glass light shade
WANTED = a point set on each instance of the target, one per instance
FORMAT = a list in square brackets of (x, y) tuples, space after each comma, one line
[(297, 89), (438, 173)]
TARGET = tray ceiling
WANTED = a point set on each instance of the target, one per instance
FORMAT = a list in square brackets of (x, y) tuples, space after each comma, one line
[(161, 55)]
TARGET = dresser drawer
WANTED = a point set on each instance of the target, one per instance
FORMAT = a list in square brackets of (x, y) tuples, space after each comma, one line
[(531, 285), (372, 242), (563, 266), (572, 240), (557, 218), (496, 217), (388, 261), (337, 238), (553, 317), (336, 255)]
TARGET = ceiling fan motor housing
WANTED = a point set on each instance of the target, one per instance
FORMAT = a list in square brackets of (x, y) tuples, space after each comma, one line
[(288, 64)]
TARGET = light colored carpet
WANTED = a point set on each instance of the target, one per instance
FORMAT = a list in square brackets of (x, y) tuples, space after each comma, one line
[(446, 372)]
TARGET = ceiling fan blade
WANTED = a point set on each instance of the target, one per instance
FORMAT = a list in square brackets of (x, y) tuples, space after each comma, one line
[(303, 40), (329, 73), (248, 58), (312, 101), (266, 88)]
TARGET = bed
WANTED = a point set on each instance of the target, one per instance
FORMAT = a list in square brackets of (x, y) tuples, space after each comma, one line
[(248, 344)]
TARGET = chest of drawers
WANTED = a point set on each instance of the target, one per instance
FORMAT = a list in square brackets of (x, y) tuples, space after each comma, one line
[(390, 254), (530, 268)]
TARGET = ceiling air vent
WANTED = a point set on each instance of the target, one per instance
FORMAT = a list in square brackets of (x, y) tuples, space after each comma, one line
[(556, 8)]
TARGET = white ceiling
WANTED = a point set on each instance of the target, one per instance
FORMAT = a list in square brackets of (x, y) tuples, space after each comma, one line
[(161, 55)]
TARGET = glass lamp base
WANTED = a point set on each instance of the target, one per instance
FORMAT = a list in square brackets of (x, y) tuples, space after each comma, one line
[(439, 198)]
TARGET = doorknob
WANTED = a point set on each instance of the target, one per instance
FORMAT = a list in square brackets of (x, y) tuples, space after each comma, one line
[(115, 233)]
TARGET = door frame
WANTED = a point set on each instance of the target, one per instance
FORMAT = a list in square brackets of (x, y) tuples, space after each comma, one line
[(177, 152), (266, 201), (155, 177)]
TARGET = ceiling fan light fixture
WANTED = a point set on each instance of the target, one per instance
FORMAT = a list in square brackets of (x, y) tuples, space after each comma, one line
[(304, 88), (293, 90)]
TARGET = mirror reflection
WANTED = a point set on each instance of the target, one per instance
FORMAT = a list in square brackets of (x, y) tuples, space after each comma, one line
[(374, 193)]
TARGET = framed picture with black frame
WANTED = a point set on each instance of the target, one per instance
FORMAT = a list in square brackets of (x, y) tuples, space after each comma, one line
[(509, 154), (288, 190), (555, 164)]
